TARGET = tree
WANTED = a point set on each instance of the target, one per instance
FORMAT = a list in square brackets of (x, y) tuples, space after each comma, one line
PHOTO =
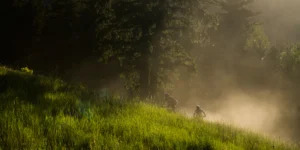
[(290, 61), (150, 39), (239, 38), (52, 34)]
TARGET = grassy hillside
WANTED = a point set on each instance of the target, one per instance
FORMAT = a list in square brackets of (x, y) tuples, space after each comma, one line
[(38, 112)]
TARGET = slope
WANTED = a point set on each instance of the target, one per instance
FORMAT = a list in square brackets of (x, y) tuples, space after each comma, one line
[(39, 112)]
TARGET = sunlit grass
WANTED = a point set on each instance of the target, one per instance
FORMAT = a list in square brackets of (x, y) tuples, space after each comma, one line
[(37, 112)]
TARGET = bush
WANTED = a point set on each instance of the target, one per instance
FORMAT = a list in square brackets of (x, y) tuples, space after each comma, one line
[(27, 70)]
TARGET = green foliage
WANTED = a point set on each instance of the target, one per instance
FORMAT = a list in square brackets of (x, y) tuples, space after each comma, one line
[(63, 119), (149, 39), (27, 70), (290, 60), (257, 41), (238, 33)]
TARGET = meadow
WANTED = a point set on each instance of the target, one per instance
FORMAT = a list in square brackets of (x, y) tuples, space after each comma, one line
[(39, 112)]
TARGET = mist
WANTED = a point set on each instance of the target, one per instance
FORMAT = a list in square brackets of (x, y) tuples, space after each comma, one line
[(264, 112), (244, 93), (103, 47), (240, 91), (280, 19)]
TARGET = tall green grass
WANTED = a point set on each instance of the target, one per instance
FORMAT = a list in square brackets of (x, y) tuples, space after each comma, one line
[(38, 112)]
